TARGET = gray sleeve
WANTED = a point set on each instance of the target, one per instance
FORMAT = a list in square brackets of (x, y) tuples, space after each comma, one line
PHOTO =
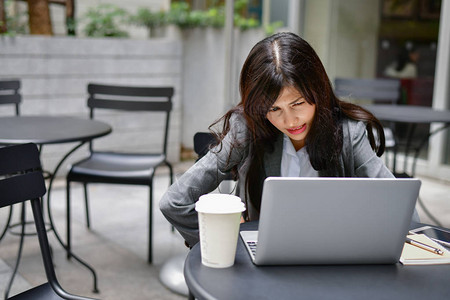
[(366, 162), (178, 203)]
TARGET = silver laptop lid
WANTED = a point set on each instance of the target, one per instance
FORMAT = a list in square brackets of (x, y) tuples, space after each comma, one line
[(334, 220)]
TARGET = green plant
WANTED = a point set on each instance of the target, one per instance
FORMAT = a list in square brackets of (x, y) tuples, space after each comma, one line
[(244, 23), (146, 18), (15, 23), (272, 27), (240, 20), (105, 20), (179, 14)]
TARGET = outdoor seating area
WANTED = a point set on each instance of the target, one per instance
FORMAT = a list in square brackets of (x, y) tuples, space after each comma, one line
[(117, 250), (192, 149)]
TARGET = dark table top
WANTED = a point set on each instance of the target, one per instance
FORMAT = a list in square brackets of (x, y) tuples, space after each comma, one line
[(49, 129), (409, 113), (246, 281)]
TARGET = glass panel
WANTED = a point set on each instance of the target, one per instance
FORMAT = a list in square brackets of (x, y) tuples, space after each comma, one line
[(407, 50), (383, 39)]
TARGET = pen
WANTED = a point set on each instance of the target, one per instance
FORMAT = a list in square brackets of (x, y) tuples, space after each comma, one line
[(424, 246)]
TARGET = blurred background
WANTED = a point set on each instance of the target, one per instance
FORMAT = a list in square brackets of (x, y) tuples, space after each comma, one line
[(57, 46)]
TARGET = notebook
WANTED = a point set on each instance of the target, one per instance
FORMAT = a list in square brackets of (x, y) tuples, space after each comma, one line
[(332, 220)]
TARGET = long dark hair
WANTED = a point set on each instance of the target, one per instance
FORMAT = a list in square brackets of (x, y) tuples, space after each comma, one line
[(281, 60)]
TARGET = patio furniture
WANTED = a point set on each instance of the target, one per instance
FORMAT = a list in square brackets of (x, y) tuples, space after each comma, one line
[(412, 116), (203, 141), (245, 280), (22, 180), (45, 130), (124, 167), (9, 93)]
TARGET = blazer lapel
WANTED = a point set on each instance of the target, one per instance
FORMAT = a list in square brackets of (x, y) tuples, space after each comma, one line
[(272, 160)]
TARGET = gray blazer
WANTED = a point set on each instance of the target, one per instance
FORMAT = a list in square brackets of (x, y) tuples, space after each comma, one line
[(178, 203)]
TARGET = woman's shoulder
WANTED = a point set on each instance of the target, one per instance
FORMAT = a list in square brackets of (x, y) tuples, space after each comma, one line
[(353, 125), (238, 123), (352, 129)]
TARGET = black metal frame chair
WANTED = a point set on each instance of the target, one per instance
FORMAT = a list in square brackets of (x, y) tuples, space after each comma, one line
[(9, 93), (21, 179), (379, 90), (203, 141), (123, 168)]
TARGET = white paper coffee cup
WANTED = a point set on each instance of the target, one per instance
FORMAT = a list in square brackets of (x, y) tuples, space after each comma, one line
[(219, 216)]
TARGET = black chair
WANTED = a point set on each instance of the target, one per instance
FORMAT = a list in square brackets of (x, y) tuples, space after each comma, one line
[(203, 141), (123, 167), (21, 179), (9, 93), (377, 91)]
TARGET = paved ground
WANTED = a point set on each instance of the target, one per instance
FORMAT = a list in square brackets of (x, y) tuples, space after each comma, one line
[(116, 245)]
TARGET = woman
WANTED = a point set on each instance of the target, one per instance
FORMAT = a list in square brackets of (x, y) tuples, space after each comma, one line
[(288, 123)]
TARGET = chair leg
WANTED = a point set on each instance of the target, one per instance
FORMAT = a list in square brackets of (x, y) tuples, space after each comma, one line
[(19, 253), (150, 218), (7, 222), (86, 203), (191, 296), (68, 220)]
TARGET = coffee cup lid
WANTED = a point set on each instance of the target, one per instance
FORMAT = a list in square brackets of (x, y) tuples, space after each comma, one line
[(219, 204)]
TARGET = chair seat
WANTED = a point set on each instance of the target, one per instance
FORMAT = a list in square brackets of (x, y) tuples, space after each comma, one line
[(43, 291), (110, 167)]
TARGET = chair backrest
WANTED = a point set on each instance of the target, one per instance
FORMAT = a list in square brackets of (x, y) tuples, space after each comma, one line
[(21, 179), (9, 93), (131, 98), (20, 174), (202, 143), (378, 90)]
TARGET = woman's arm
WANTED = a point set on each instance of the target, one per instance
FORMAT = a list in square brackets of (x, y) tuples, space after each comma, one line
[(178, 203), (366, 162)]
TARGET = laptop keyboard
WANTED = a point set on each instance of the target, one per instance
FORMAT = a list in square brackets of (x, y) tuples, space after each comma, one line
[(252, 245)]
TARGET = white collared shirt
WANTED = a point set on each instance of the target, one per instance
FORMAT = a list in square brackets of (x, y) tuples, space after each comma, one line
[(295, 163)]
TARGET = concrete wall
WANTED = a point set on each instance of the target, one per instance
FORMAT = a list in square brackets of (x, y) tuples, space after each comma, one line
[(55, 72), (204, 76), (344, 35)]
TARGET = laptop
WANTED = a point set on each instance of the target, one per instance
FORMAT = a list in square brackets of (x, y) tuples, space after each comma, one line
[(318, 220)]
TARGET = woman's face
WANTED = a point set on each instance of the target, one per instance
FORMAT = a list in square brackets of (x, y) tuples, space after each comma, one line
[(292, 115)]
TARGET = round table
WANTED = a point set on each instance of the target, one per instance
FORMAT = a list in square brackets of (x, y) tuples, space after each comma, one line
[(44, 130), (409, 113), (244, 280)]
